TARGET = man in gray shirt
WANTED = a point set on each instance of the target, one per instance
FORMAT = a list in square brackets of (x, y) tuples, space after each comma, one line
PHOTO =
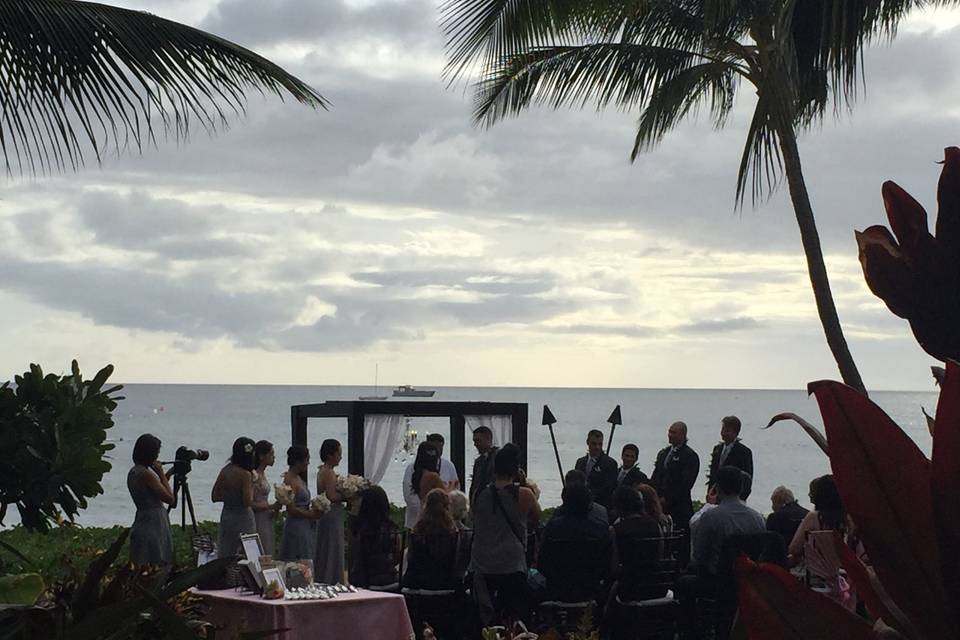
[(730, 517)]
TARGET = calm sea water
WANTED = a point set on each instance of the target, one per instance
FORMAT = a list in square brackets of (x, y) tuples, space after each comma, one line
[(212, 416)]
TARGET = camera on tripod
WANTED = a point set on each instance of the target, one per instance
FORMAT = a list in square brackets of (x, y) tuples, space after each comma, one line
[(184, 456)]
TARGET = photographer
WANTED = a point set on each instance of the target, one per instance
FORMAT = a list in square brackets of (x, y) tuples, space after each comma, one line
[(149, 486), (234, 488)]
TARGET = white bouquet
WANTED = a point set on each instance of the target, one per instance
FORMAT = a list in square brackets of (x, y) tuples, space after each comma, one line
[(350, 486), (320, 504), (283, 493)]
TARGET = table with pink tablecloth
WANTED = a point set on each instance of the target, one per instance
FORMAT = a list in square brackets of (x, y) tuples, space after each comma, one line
[(368, 615)]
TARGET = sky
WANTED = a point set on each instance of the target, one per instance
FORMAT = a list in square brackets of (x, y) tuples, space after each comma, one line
[(308, 247)]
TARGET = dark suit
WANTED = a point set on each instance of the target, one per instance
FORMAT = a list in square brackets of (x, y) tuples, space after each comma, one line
[(787, 520), (674, 474), (482, 473), (602, 479), (740, 457)]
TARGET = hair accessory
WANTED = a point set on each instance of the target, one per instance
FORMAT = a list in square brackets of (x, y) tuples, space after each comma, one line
[(248, 448)]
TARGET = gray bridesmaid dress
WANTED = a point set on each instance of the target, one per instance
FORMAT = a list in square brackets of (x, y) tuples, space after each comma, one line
[(235, 520), (328, 564), (150, 540), (264, 519), (299, 539)]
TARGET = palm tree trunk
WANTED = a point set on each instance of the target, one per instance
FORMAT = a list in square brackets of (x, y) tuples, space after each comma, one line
[(826, 308)]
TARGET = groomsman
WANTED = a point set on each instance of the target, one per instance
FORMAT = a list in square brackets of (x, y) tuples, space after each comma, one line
[(674, 474), (730, 452), (628, 456), (600, 469)]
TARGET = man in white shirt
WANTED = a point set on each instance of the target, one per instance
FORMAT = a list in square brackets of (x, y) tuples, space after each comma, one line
[(448, 474)]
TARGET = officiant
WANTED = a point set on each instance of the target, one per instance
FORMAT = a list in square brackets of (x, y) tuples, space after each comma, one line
[(600, 469)]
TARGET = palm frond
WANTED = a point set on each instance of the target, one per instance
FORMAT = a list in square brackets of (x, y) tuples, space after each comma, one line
[(78, 75), (761, 164), (604, 74), (714, 83)]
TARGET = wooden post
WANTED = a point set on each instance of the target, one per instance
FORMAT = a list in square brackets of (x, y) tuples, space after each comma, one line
[(519, 428), (355, 441), (298, 428), (457, 451)]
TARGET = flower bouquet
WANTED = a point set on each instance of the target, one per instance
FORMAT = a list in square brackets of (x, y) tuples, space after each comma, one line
[(320, 504), (533, 486), (350, 486), (283, 493)]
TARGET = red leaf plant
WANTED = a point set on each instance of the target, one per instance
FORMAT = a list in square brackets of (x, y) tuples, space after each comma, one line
[(906, 513), (918, 274)]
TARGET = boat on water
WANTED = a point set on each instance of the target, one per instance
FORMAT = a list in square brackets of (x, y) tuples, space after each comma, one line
[(407, 391), (376, 387)]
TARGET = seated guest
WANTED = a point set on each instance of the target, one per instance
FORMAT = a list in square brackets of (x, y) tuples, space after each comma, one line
[(653, 507), (710, 502), (502, 511), (432, 562), (787, 514), (578, 577), (459, 508), (827, 514), (628, 458), (375, 549), (632, 556), (596, 512), (730, 517)]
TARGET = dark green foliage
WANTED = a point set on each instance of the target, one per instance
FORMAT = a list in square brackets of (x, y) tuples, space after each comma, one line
[(54, 431), (84, 77)]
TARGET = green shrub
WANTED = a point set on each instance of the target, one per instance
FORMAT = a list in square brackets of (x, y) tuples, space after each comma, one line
[(54, 431)]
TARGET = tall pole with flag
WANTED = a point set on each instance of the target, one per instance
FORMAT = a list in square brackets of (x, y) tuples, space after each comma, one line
[(549, 420), (614, 420)]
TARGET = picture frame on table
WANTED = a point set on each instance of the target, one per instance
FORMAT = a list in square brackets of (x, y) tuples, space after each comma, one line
[(250, 576), (273, 573), (252, 548)]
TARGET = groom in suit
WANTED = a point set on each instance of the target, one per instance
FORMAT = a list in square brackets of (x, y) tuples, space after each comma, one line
[(731, 453), (600, 469)]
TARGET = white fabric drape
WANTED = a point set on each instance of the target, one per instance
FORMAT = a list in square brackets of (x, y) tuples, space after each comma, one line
[(501, 426), (381, 435)]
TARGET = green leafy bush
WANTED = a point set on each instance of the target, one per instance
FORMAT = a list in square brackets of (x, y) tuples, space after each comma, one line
[(54, 431)]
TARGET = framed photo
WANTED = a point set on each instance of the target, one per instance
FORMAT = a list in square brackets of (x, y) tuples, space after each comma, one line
[(252, 548), (271, 574), (250, 576)]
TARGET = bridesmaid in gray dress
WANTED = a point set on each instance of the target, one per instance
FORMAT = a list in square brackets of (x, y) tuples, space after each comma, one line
[(328, 564), (264, 511), (234, 488), (149, 486), (299, 537)]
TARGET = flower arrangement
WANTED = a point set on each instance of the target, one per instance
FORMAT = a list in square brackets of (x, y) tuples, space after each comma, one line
[(350, 486), (273, 591), (283, 493), (320, 504)]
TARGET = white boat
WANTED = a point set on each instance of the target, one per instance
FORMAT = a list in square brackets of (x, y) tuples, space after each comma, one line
[(407, 391), (376, 387)]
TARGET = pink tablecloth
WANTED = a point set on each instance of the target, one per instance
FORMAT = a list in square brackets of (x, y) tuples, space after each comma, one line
[(366, 615)]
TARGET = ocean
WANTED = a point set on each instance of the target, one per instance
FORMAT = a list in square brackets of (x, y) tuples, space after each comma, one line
[(212, 416)]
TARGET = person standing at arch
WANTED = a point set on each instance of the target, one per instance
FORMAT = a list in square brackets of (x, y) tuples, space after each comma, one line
[(730, 452), (674, 474), (601, 470)]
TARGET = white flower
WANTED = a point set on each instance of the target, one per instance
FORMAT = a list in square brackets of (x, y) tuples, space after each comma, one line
[(283, 493), (350, 486), (320, 504), (248, 448), (533, 486)]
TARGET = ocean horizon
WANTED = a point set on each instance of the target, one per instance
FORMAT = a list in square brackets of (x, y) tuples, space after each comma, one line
[(209, 416)]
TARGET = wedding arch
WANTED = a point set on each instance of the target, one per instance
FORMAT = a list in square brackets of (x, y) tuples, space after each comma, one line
[(375, 428)]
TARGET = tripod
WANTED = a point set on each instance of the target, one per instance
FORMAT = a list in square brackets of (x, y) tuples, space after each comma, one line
[(181, 492)]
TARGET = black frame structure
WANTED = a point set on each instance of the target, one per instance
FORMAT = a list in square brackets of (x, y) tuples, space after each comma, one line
[(356, 410)]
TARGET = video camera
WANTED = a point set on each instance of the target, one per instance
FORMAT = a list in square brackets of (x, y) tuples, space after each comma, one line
[(183, 458)]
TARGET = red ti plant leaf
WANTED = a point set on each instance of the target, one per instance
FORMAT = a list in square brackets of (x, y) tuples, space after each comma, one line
[(776, 606), (945, 481), (916, 273), (884, 482), (869, 589)]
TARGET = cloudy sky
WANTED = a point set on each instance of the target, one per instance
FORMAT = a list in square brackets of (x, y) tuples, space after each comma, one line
[(305, 247)]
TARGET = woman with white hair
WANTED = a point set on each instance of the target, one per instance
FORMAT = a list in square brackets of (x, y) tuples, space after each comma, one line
[(787, 513)]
